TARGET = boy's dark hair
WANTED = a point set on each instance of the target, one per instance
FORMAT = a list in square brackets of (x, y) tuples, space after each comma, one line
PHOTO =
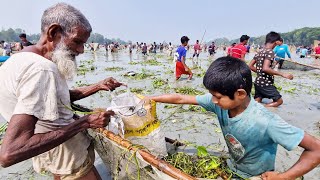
[(226, 75), (184, 39), (272, 37), (244, 38), (23, 35)]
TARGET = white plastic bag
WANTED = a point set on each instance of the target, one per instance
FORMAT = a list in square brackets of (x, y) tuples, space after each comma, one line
[(136, 120)]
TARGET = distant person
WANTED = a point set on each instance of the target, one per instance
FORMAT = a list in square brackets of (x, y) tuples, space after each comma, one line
[(6, 49), (154, 47), (130, 48), (170, 49), (181, 67), (144, 49), (304, 52), (229, 49), (197, 49), (106, 45), (317, 51), (112, 47), (280, 51), (248, 48), (239, 51), (264, 83), (212, 49), (24, 41), (298, 50), (161, 47)]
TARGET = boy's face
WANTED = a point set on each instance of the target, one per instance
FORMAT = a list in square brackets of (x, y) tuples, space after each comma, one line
[(185, 44), (225, 102)]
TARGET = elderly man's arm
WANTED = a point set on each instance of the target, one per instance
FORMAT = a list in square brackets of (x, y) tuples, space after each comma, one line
[(21, 143), (108, 84)]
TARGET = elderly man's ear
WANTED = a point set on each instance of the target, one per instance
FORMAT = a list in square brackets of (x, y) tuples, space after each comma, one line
[(54, 33)]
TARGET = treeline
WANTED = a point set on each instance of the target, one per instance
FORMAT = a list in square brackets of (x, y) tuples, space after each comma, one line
[(304, 36), (12, 35)]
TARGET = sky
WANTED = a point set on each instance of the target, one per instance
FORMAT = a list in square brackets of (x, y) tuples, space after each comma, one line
[(168, 20)]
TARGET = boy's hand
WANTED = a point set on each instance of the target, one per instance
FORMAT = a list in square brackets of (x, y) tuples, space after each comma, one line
[(186, 69), (272, 175), (287, 76)]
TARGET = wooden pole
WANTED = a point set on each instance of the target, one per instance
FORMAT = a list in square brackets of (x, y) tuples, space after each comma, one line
[(151, 159)]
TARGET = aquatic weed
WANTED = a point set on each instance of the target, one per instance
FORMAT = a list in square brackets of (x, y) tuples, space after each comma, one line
[(188, 91)]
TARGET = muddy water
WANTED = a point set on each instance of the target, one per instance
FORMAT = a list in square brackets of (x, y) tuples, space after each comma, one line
[(301, 98)]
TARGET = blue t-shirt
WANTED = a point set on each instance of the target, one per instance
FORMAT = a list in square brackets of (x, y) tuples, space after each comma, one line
[(252, 136), (281, 51), (304, 52), (181, 52)]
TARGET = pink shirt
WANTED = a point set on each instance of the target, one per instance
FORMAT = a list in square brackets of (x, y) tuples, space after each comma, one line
[(196, 47)]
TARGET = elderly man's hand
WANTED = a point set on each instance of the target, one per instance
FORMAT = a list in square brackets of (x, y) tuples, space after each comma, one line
[(109, 84), (100, 119)]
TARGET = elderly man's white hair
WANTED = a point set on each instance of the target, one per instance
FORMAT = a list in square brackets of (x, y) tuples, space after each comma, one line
[(66, 16)]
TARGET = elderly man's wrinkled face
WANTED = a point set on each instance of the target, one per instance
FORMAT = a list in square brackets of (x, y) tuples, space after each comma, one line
[(70, 46)]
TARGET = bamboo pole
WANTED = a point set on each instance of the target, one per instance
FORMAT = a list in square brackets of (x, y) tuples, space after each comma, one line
[(151, 159)]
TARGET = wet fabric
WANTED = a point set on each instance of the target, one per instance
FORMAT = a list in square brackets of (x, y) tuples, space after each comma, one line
[(180, 69), (264, 79), (252, 136), (269, 92)]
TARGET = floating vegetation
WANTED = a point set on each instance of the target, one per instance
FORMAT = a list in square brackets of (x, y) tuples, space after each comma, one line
[(159, 56), (291, 90), (114, 69), (194, 108), (169, 71), (201, 164), (133, 63), (188, 91), (169, 106), (170, 58), (82, 83), (85, 66), (137, 90), (201, 73), (151, 62), (158, 83), (279, 88), (141, 76)]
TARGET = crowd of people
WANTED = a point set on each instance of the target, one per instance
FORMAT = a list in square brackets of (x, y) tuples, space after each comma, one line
[(34, 94)]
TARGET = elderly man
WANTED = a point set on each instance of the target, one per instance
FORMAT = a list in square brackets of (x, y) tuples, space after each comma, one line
[(35, 99)]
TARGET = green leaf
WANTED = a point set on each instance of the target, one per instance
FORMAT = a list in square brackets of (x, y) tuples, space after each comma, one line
[(202, 151)]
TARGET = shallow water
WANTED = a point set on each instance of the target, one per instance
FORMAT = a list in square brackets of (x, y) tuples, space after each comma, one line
[(301, 99)]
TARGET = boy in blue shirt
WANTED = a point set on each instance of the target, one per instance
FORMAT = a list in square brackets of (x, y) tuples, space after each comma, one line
[(281, 50), (181, 67), (252, 133)]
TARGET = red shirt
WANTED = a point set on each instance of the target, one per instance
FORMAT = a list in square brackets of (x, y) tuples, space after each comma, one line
[(238, 50), (317, 50), (196, 47)]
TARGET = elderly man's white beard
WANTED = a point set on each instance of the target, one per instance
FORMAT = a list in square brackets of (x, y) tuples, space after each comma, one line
[(65, 61)]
